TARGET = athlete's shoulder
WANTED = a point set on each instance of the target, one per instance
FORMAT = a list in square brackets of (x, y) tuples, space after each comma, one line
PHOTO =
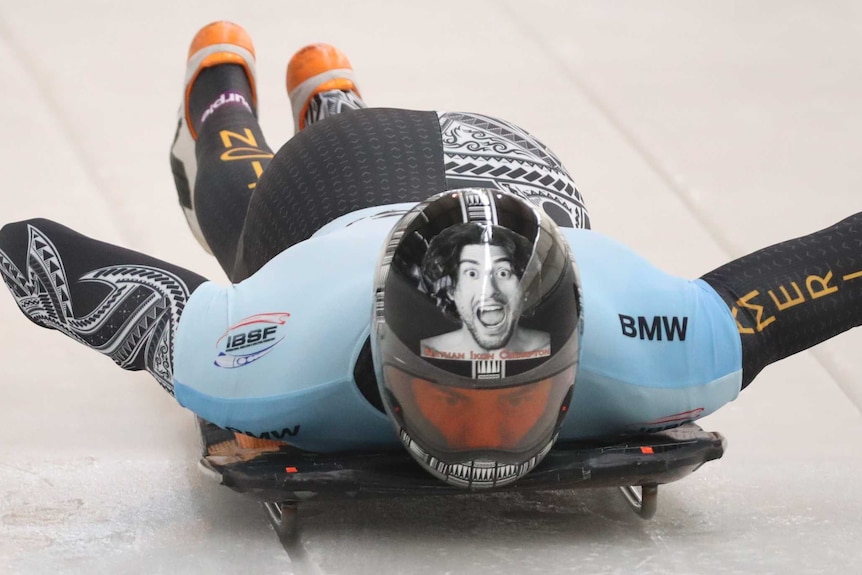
[(655, 347), (618, 276), (336, 260), (277, 350), (642, 313), (319, 283), (595, 252)]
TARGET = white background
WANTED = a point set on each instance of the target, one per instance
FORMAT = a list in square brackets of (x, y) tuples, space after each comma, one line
[(697, 131)]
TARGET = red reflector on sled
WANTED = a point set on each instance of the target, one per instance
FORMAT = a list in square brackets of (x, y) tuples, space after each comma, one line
[(646, 450), (290, 469)]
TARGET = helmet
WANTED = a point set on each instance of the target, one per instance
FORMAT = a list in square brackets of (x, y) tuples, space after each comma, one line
[(476, 334)]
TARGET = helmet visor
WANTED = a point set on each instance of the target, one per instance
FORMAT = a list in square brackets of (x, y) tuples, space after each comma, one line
[(473, 422)]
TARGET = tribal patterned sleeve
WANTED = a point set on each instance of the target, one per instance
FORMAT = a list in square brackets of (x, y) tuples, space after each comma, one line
[(795, 294), (121, 303)]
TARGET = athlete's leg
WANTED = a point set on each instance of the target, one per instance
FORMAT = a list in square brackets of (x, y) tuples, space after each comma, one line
[(382, 156), (122, 303), (219, 151), (304, 188), (791, 296), (361, 159), (320, 84)]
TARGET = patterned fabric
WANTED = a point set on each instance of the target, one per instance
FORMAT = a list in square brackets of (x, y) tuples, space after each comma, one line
[(377, 156), (488, 152), (131, 311), (326, 104)]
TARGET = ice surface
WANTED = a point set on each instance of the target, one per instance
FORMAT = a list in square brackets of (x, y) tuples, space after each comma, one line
[(696, 130)]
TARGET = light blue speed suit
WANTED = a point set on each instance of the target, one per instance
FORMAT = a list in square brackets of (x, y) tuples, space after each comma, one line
[(657, 350), (278, 354)]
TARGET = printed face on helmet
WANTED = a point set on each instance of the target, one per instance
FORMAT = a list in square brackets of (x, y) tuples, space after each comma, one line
[(476, 335), (487, 295), (475, 271)]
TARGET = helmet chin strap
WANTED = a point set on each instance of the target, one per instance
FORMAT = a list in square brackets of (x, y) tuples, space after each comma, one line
[(475, 473)]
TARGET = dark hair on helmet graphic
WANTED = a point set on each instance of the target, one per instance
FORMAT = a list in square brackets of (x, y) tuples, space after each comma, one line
[(443, 258)]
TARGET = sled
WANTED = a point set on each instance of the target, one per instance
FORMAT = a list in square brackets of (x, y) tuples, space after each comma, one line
[(282, 477)]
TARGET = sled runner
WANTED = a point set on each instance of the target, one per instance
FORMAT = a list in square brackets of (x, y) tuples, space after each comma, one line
[(281, 477)]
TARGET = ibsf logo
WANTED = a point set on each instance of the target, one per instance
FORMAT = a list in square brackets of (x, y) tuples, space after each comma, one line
[(250, 339)]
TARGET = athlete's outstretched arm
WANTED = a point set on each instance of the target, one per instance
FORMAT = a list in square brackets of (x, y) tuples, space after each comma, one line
[(119, 302), (793, 295)]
